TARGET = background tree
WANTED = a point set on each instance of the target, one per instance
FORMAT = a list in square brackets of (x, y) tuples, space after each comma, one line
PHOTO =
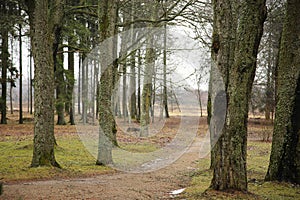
[(268, 60), (285, 155), (9, 11), (150, 56), (20, 68)]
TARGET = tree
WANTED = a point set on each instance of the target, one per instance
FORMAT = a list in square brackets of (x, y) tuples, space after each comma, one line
[(44, 16), (4, 63), (59, 81), (8, 18), (148, 74), (107, 133), (268, 57), (21, 75), (6, 21), (285, 154), (71, 82), (237, 30), (165, 91)]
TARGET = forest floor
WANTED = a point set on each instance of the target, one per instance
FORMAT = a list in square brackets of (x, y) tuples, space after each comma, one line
[(81, 179)]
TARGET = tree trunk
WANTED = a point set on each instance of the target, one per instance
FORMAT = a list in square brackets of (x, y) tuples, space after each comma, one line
[(132, 91), (165, 91), (21, 74), (124, 91), (229, 166), (268, 106), (31, 80), (60, 87), (107, 132), (148, 75), (79, 85), (199, 96), (139, 86), (42, 40), (71, 82), (4, 59), (147, 88), (84, 98), (132, 87), (285, 155), (11, 93)]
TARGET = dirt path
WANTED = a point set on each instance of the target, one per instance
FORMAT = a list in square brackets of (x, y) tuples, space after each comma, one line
[(117, 186)]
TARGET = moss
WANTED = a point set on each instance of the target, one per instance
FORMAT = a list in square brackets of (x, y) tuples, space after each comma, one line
[(275, 190)]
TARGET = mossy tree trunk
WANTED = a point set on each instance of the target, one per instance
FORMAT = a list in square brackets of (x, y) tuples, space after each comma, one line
[(147, 96), (147, 88), (58, 60), (107, 132), (222, 53), (44, 17), (237, 65), (285, 155)]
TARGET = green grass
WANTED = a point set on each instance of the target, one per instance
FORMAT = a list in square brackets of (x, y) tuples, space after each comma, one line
[(257, 164), (75, 161)]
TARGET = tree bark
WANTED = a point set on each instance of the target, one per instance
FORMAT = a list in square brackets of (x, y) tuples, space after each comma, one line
[(165, 90), (285, 154), (58, 60), (60, 86), (229, 166), (132, 92), (21, 74), (4, 59), (132, 85), (147, 96), (31, 81), (107, 132), (79, 85), (71, 82), (42, 26), (147, 88), (139, 110)]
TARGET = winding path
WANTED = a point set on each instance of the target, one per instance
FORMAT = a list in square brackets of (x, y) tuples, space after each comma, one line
[(117, 186)]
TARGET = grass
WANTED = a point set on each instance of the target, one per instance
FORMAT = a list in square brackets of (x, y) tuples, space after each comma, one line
[(16, 149), (75, 161), (257, 163)]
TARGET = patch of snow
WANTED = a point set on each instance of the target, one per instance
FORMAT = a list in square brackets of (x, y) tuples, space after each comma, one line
[(176, 192)]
